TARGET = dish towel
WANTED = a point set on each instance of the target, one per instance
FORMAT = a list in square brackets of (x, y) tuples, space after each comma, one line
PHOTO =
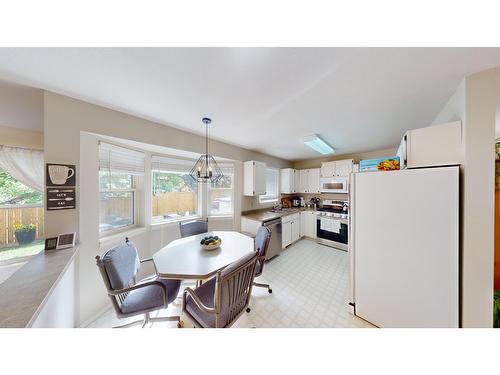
[(324, 224), (336, 226)]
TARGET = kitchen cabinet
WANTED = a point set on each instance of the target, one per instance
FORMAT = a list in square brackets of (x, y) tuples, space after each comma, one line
[(340, 168), (290, 229), (254, 178), (303, 181), (313, 181), (309, 181), (287, 179), (432, 146), (308, 223)]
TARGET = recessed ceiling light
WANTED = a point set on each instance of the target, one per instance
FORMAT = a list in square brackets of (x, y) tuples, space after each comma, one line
[(319, 145)]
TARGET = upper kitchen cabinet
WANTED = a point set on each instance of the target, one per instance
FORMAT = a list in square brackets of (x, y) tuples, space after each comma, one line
[(437, 145), (309, 181), (254, 178), (288, 179), (303, 181), (313, 181), (337, 168)]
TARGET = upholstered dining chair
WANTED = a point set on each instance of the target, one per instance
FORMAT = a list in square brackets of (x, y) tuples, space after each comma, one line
[(190, 228), (119, 267), (261, 244), (219, 302)]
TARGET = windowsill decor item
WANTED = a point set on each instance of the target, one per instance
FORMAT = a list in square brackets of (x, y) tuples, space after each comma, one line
[(25, 233)]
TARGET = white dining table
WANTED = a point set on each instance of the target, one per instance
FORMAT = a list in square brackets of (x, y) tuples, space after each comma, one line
[(185, 259)]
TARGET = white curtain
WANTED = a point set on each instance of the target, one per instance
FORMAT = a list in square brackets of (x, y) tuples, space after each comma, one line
[(25, 165)]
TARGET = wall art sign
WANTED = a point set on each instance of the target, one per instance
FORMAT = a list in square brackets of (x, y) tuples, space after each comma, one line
[(60, 175), (61, 198)]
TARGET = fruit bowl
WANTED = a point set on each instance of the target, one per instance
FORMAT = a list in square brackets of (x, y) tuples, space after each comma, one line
[(210, 243)]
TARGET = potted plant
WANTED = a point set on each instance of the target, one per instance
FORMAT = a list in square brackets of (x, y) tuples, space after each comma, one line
[(25, 233)]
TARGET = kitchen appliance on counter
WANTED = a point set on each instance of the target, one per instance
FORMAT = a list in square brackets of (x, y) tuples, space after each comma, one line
[(403, 247), (332, 185), (302, 202), (332, 224), (296, 202)]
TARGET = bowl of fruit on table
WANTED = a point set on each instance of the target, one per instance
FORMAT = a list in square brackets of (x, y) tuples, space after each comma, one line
[(210, 243)]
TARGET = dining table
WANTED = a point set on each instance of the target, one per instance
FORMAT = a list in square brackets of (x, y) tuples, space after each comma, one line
[(185, 259)]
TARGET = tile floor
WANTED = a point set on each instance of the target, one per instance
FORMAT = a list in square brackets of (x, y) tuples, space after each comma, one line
[(310, 289)]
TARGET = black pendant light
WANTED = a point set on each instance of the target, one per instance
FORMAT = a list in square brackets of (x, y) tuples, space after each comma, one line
[(206, 169)]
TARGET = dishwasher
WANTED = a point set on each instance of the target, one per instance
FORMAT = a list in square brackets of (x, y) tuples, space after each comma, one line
[(274, 226)]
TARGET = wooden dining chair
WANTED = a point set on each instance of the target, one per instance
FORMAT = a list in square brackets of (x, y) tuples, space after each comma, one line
[(219, 302)]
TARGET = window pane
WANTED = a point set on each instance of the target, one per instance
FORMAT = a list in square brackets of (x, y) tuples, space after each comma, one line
[(221, 196), (174, 195), (116, 210), (21, 219), (272, 177), (115, 180)]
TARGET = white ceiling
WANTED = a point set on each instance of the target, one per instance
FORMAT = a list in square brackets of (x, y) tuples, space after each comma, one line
[(264, 99)]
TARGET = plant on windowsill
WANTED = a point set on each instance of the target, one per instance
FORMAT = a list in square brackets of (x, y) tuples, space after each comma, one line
[(25, 233)]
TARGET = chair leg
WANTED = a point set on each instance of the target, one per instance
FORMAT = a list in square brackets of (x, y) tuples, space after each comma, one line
[(269, 290), (131, 324)]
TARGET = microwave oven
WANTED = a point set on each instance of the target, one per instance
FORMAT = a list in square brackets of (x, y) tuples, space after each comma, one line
[(334, 185)]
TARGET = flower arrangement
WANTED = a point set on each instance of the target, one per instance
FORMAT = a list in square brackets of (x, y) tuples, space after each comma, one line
[(24, 227)]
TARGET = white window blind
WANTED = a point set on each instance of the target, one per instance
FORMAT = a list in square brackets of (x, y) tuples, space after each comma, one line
[(118, 159), (166, 164)]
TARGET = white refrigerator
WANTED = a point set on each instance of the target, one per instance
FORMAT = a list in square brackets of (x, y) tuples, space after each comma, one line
[(404, 247)]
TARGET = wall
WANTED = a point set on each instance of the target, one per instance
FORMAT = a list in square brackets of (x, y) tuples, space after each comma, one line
[(71, 130), (316, 163), (21, 137), (474, 102), (59, 311)]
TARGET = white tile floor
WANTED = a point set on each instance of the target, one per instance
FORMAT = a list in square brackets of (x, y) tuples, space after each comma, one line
[(310, 289)]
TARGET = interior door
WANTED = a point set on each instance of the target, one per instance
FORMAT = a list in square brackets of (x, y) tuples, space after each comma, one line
[(405, 247)]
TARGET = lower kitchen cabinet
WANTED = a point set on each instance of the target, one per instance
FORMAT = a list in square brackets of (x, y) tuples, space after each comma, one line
[(290, 229), (308, 224)]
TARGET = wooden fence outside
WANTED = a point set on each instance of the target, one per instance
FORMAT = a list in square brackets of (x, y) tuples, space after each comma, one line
[(173, 203), (19, 214)]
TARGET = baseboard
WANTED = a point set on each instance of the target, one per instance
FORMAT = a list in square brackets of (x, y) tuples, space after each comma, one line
[(87, 322)]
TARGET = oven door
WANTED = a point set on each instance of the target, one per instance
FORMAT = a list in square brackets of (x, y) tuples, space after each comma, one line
[(334, 185), (327, 231)]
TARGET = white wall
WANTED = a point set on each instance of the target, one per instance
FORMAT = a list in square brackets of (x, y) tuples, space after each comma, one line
[(474, 102), (59, 311), (70, 127)]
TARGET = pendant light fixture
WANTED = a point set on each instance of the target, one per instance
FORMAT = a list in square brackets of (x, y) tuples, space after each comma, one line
[(206, 169)]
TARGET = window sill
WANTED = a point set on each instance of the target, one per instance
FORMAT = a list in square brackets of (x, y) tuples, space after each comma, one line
[(121, 235), (220, 217), (160, 223)]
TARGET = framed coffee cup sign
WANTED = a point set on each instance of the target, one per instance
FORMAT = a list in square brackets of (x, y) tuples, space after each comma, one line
[(60, 175), (60, 180)]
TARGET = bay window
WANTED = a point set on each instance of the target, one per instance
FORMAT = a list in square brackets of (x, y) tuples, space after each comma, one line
[(119, 169), (175, 193), (221, 194)]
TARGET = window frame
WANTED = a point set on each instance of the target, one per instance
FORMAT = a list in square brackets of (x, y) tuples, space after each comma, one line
[(133, 190), (208, 202), (159, 220), (263, 198)]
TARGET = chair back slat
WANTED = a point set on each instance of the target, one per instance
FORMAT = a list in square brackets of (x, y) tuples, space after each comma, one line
[(233, 289)]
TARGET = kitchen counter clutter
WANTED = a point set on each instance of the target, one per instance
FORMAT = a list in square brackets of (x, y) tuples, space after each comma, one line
[(265, 214)]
